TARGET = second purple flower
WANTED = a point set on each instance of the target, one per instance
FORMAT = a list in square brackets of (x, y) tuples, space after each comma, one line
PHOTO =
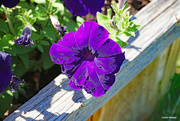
[(83, 7), (89, 58)]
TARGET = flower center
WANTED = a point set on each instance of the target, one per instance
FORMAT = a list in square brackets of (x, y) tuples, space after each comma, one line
[(89, 55)]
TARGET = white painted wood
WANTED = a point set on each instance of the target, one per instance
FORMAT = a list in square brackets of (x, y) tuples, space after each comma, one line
[(57, 101)]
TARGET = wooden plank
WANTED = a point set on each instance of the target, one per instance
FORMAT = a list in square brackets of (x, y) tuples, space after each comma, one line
[(138, 99), (57, 101)]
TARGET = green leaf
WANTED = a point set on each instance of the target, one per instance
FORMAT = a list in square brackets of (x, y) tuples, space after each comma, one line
[(16, 95), (136, 27), (120, 42), (79, 20), (32, 20), (115, 7), (50, 34), (71, 25), (44, 43), (19, 69), (42, 9), (124, 7), (40, 1), (24, 20), (3, 26), (18, 28), (5, 100), (25, 59), (127, 33), (105, 22), (7, 40), (35, 36), (7, 44), (109, 13), (46, 60), (40, 48), (22, 49)]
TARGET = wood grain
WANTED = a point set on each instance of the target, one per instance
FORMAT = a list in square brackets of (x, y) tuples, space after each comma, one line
[(57, 101)]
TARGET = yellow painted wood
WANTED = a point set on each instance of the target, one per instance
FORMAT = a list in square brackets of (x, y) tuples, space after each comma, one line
[(137, 100)]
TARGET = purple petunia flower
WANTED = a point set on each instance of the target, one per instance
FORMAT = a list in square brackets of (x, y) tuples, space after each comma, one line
[(5, 71), (89, 58), (9, 3), (83, 7), (25, 38)]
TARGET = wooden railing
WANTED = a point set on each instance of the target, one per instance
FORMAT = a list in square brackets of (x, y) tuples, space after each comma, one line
[(144, 76)]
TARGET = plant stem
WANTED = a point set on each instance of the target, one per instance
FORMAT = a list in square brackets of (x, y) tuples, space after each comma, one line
[(9, 21)]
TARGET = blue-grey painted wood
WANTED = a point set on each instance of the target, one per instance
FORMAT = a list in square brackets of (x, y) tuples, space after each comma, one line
[(57, 101)]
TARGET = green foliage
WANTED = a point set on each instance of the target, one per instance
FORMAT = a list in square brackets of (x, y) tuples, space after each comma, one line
[(43, 33), (3, 26), (5, 100), (119, 24)]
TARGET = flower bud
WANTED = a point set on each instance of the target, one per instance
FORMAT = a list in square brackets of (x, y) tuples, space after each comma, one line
[(57, 25)]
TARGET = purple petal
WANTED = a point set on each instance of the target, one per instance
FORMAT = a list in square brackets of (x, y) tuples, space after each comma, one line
[(80, 74), (76, 7), (69, 41), (94, 5), (82, 35), (91, 34), (108, 49), (10, 3), (74, 86), (5, 62), (95, 83), (97, 37), (27, 31), (69, 69), (24, 40), (5, 71), (92, 79), (60, 54), (110, 64), (5, 79)]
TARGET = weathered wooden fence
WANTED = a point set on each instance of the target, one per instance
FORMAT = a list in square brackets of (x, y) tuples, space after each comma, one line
[(144, 77)]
